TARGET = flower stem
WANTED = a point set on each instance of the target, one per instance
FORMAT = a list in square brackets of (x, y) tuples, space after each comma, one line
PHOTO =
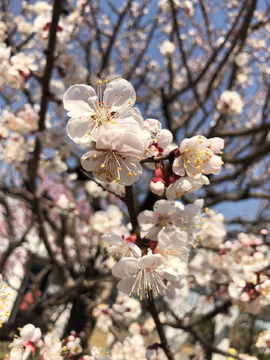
[(130, 203)]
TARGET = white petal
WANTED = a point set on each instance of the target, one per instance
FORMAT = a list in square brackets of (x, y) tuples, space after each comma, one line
[(26, 353), (79, 129), (77, 101), (112, 239), (165, 138), (128, 143), (37, 335), (163, 207), (170, 274), (119, 93), (126, 267), (216, 144), (199, 203), (152, 125), (131, 115), (192, 210), (92, 160), (125, 285), (110, 137), (127, 169), (146, 218), (178, 238), (27, 332), (157, 188), (152, 261), (171, 193), (214, 165), (178, 166), (135, 249), (163, 240)]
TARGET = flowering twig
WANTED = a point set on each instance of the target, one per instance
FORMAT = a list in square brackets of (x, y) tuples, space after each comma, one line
[(129, 201)]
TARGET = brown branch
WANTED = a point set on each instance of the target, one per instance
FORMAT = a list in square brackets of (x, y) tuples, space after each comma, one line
[(184, 58), (262, 151), (164, 343), (208, 25), (12, 246), (212, 59), (33, 164), (119, 21), (181, 324), (129, 201), (138, 60), (242, 132), (209, 346), (9, 218), (43, 235)]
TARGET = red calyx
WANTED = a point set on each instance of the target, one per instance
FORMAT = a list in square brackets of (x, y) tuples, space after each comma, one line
[(131, 239), (153, 245), (158, 176)]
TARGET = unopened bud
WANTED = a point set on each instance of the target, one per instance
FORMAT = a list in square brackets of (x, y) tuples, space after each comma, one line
[(151, 352), (157, 187)]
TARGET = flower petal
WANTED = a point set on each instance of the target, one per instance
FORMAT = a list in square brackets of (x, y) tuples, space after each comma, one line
[(163, 207), (151, 261), (112, 239), (93, 159), (79, 129), (80, 100), (126, 267), (27, 332), (119, 93), (125, 285), (170, 274)]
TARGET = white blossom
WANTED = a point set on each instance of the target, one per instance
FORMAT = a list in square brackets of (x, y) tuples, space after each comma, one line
[(117, 247), (241, 59), (165, 215), (230, 103), (197, 157), (116, 157), (52, 347), (89, 111), (167, 48), (142, 276), (3, 302)]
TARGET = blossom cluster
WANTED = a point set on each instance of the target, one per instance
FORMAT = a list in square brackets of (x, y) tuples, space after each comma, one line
[(31, 343), (83, 221), (119, 137), (21, 69), (238, 268), (4, 313)]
